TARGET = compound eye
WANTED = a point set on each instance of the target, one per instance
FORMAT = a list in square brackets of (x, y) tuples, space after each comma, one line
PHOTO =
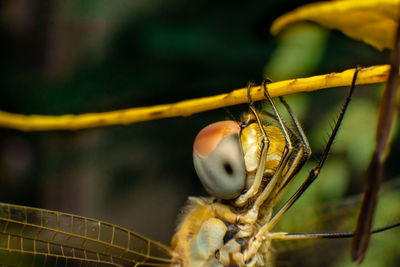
[(218, 159)]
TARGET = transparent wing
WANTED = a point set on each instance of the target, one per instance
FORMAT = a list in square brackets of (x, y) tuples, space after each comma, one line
[(37, 237), (337, 217)]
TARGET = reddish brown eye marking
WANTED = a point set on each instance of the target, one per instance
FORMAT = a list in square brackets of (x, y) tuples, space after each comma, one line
[(210, 136)]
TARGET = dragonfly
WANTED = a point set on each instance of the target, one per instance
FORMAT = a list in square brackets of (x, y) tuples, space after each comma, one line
[(246, 167)]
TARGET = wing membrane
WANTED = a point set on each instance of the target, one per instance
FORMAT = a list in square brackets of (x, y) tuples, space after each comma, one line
[(49, 238), (338, 216)]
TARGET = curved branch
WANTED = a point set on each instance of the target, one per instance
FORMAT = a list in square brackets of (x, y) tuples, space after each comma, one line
[(374, 74)]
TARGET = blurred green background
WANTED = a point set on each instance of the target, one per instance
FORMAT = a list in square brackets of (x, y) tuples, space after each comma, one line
[(62, 57)]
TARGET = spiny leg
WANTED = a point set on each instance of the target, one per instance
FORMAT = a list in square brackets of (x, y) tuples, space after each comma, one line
[(287, 153), (316, 170), (252, 191), (305, 143), (257, 240), (278, 117), (297, 162), (300, 158), (251, 215), (300, 135), (281, 175)]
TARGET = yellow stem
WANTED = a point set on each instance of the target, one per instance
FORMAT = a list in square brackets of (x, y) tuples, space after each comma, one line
[(374, 74)]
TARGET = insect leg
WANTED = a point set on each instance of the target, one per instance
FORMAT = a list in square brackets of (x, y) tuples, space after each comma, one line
[(316, 170), (242, 199), (251, 215), (259, 238), (300, 159)]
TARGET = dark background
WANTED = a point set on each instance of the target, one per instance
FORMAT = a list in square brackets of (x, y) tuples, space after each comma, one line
[(61, 57)]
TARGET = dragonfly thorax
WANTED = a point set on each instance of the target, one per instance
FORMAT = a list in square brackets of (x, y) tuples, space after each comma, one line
[(251, 139)]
